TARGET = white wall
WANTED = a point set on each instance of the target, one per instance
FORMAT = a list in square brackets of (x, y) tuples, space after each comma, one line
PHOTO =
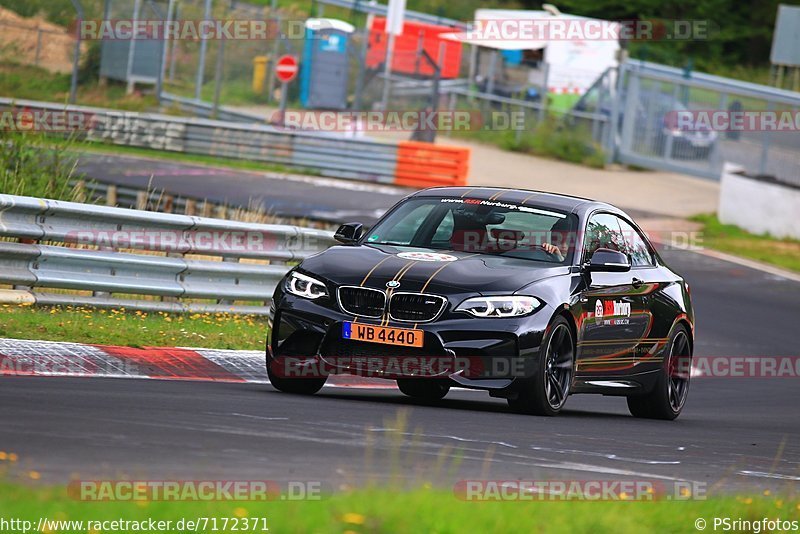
[(757, 206)]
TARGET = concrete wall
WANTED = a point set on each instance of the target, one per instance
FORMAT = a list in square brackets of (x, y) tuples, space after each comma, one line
[(759, 205)]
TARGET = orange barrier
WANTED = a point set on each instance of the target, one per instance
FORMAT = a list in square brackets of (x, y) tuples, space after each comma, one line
[(426, 165)]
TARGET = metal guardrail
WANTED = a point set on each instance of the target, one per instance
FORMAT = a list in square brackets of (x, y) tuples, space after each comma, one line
[(325, 154), (132, 277), (201, 108)]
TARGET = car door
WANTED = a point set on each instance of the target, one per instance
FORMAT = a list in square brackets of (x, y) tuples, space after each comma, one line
[(614, 317), (647, 281)]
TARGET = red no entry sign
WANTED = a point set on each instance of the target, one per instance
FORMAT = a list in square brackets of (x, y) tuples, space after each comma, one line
[(286, 69)]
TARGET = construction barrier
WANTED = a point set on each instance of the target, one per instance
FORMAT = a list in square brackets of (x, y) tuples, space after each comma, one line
[(425, 165)]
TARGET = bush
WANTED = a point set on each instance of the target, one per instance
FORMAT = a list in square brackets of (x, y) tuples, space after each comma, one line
[(556, 140), (89, 70)]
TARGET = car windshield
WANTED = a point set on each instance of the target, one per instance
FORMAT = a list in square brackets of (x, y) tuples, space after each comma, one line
[(480, 226)]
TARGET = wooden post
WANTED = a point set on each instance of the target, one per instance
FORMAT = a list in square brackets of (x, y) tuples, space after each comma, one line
[(79, 193), (191, 207), (111, 195), (141, 200), (207, 209)]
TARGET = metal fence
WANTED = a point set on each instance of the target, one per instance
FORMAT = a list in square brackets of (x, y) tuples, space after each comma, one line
[(648, 93), (133, 259), (222, 70)]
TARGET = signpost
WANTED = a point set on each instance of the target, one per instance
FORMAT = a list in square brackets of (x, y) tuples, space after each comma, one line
[(286, 70), (395, 18)]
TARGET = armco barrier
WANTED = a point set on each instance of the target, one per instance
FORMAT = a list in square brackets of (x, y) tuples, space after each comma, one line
[(426, 165), (121, 279), (408, 164)]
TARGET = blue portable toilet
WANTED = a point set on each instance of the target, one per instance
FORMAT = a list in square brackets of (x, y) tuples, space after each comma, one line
[(324, 75)]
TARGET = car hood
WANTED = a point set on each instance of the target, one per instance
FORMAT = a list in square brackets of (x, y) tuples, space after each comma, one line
[(436, 270)]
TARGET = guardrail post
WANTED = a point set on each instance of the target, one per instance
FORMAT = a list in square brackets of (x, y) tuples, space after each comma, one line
[(228, 302), (207, 209), (191, 207), (111, 195), (79, 192), (169, 204), (765, 142), (141, 200)]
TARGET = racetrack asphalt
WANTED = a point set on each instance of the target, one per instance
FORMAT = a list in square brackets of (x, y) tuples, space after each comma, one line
[(734, 434), (317, 198)]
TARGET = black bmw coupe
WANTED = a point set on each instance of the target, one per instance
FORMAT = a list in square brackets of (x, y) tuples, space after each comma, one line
[(530, 296)]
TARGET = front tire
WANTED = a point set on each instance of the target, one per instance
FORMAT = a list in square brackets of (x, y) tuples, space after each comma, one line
[(423, 388), (297, 386), (547, 392), (668, 397)]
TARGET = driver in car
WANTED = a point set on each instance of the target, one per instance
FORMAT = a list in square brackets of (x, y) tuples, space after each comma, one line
[(559, 233)]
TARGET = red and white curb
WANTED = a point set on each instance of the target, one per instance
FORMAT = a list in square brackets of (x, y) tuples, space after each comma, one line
[(48, 358)]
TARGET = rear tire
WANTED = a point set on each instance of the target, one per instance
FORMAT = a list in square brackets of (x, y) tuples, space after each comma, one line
[(297, 386), (547, 392), (423, 388), (668, 397)]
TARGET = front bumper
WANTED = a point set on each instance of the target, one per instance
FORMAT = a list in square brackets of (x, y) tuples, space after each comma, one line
[(489, 354)]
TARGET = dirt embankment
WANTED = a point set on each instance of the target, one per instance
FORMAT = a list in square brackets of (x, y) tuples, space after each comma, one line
[(20, 37)]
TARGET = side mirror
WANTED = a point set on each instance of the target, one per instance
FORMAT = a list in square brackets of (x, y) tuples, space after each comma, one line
[(349, 233), (605, 260)]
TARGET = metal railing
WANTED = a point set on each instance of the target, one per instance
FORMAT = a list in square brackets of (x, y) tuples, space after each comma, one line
[(121, 258), (201, 108), (324, 154)]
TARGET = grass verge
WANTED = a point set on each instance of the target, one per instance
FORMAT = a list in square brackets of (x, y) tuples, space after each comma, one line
[(133, 329), (728, 238), (384, 510)]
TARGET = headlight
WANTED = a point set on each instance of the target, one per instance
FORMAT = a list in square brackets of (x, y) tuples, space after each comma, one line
[(305, 286), (512, 306)]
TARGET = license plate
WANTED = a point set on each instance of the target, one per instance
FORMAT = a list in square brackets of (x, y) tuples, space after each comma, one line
[(380, 334)]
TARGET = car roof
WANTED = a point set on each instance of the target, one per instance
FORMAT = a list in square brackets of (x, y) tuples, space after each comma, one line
[(518, 196)]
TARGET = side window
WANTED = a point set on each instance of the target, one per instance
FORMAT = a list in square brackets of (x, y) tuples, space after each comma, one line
[(445, 230), (603, 231), (408, 224), (635, 245)]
